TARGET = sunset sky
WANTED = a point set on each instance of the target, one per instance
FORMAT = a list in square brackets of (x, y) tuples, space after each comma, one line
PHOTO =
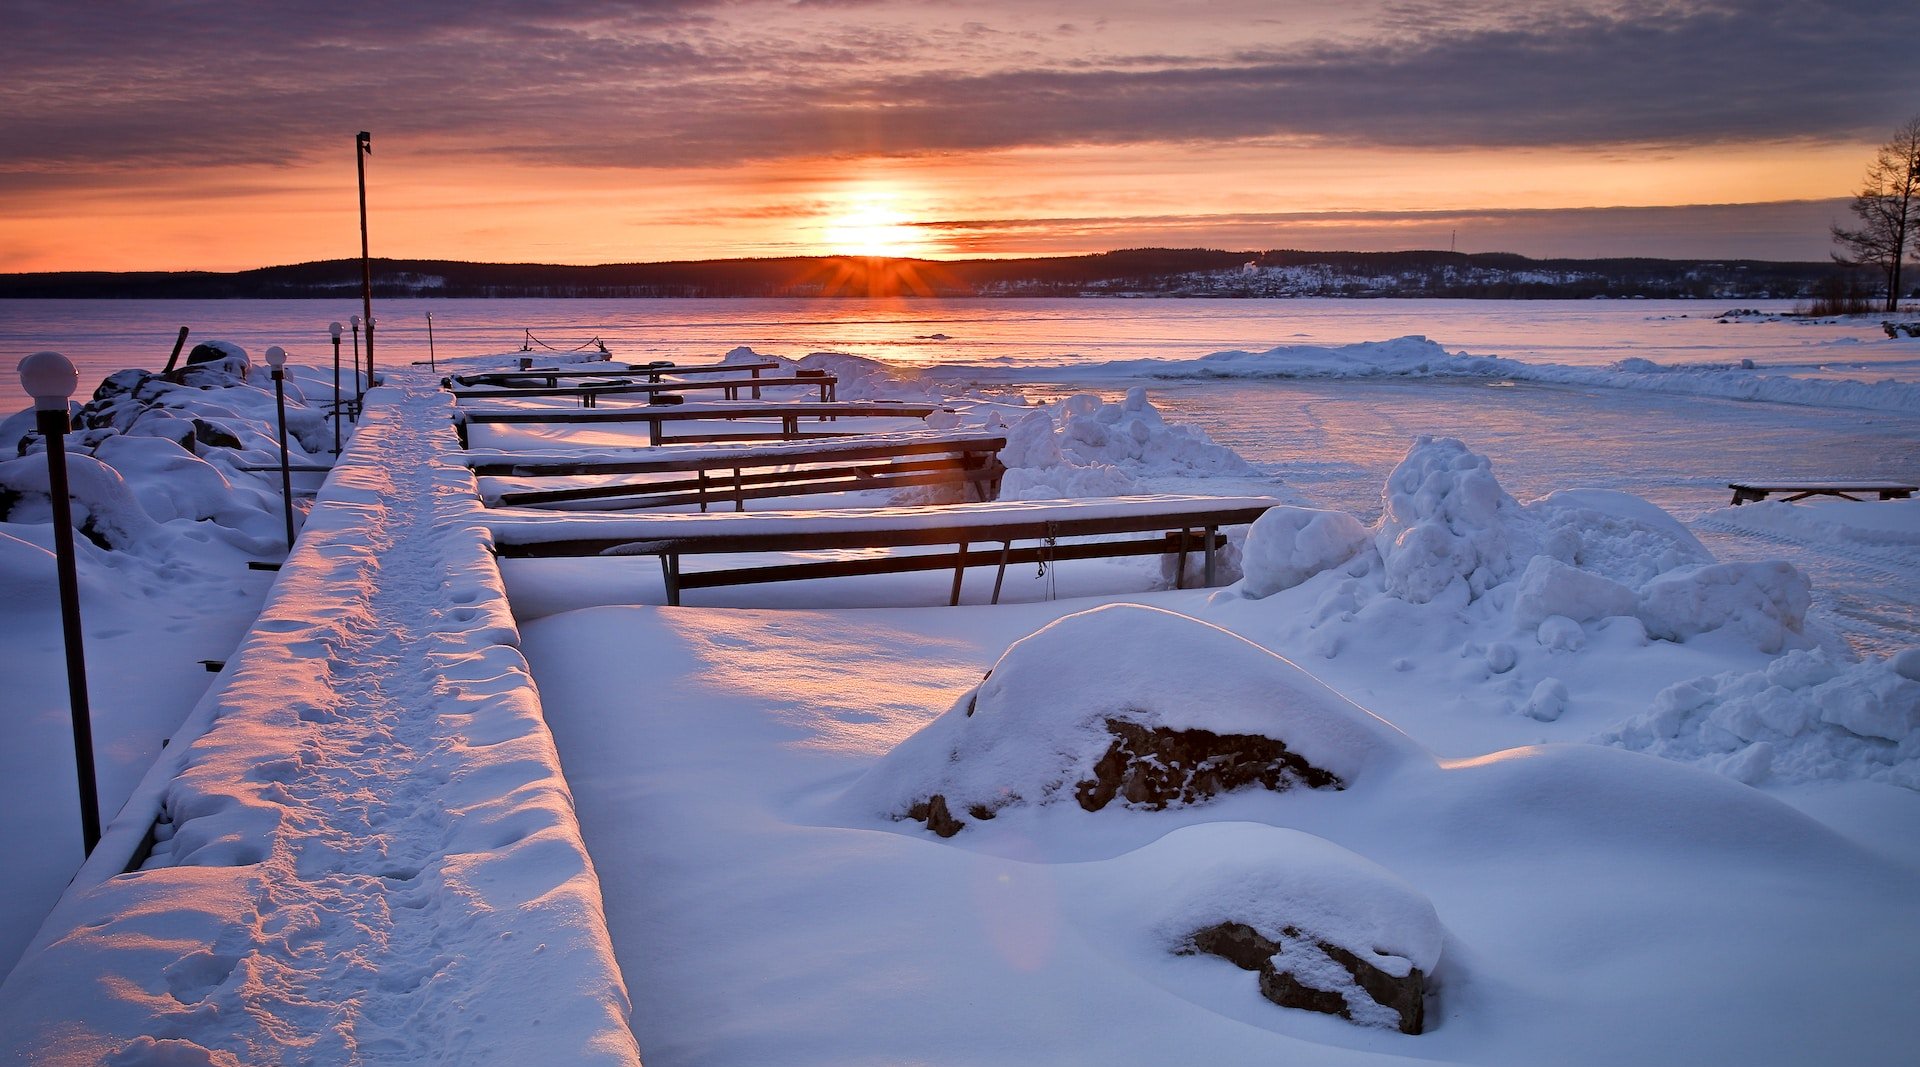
[(220, 136)]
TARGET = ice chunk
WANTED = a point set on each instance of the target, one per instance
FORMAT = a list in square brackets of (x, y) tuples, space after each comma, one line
[(1549, 587), (1765, 602)]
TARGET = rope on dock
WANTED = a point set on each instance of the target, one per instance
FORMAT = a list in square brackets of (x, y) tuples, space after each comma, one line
[(531, 340)]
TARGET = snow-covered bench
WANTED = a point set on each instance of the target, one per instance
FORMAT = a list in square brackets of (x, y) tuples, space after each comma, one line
[(589, 393), (1755, 490), (758, 471), (1182, 524), (787, 414)]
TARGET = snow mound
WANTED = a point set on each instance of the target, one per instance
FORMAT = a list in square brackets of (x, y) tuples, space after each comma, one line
[(1076, 692), (860, 378), (1288, 545), (1804, 717), (1448, 534), (1097, 448), (1444, 521), (1410, 356)]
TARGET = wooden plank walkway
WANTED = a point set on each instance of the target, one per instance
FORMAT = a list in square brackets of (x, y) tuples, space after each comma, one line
[(656, 417), (742, 472)]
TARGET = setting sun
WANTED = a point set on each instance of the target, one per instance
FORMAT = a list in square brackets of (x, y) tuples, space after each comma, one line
[(872, 226)]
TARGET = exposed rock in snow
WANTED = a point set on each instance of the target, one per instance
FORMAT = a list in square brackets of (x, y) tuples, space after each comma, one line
[(1159, 766), (1326, 929)]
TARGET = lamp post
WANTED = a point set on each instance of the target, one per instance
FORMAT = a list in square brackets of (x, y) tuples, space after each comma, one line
[(359, 394), (362, 148), (277, 359), (49, 378), (333, 328)]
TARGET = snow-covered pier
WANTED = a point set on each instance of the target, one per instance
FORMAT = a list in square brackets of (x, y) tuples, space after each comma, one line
[(365, 851)]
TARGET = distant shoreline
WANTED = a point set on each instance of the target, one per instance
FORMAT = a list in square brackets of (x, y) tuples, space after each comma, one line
[(1188, 273)]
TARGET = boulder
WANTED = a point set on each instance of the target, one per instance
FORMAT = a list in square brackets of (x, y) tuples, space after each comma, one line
[(1155, 767), (1296, 971)]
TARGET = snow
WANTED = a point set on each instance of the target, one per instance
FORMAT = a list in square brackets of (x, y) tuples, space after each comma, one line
[(1622, 798), (1416, 357), (1804, 717)]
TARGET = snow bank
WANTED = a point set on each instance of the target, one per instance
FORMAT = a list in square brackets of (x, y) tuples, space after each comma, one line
[(1882, 524), (1805, 717), (1033, 731), (362, 847), (1415, 356)]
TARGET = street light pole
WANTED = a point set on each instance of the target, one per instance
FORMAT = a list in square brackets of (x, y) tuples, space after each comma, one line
[(359, 394), (277, 359), (333, 328), (49, 378), (362, 148)]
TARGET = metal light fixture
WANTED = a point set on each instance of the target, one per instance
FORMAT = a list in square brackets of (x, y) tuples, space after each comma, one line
[(277, 359), (334, 330), (49, 378)]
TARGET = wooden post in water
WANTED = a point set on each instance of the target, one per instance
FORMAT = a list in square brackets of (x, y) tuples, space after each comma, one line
[(362, 148), (178, 343)]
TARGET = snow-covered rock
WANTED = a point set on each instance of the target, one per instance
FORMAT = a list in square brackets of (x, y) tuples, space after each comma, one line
[(1148, 693), (1327, 929)]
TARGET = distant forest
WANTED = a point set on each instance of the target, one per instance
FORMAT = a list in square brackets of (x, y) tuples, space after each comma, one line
[(1135, 272)]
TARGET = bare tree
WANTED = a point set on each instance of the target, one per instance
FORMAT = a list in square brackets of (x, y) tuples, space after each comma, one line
[(1888, 207)]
